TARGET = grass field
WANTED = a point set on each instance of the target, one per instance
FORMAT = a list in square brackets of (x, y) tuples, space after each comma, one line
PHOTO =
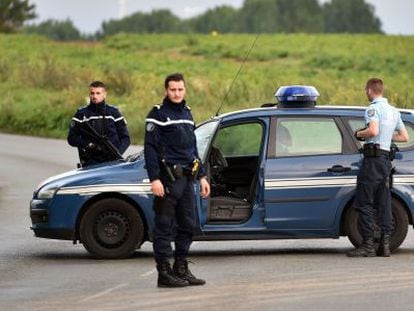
[(42, 82)]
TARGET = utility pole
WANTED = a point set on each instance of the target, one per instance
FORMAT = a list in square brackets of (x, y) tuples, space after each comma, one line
[(122, 8)]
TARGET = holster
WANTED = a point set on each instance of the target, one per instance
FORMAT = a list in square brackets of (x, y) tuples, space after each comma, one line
[(371, 150), (393, 151)]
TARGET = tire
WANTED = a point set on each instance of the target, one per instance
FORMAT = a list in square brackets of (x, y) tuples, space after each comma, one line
[(400, 221), (111, 229)]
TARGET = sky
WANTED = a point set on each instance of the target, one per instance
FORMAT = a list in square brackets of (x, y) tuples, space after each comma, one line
[(88, 15)]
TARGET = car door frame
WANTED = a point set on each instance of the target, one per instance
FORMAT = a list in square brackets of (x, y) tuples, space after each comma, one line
[(255, 222)]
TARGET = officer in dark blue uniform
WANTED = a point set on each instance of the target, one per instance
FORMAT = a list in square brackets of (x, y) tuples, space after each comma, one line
[(384, 125), (172, 163), (97, 128)]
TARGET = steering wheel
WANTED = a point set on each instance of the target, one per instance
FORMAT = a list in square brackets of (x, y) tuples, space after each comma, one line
[(217, 159)]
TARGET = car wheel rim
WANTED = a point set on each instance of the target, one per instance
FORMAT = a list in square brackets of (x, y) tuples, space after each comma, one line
[(111, 229)]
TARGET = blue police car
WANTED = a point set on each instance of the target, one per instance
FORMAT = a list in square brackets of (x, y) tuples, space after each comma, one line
[(280, 171)]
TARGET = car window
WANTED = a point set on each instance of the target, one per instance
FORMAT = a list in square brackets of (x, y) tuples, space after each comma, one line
[(307, 136), (204, 134), (239, 140), (357, 124)]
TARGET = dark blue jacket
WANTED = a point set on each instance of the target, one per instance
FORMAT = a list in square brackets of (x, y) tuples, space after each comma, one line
[(169, 134), (107, 121)]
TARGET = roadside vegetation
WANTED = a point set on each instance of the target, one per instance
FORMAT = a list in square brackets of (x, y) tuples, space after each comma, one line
[(43, 82)]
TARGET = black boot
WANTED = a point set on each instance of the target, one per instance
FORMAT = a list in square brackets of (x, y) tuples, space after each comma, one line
[(366, 249), (181, 270), (166, 277), (384, 246)]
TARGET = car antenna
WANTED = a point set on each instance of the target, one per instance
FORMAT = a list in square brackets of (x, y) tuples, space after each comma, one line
[(237, 74)]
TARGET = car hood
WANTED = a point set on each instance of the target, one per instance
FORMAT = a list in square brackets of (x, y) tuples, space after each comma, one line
[(106, 173)]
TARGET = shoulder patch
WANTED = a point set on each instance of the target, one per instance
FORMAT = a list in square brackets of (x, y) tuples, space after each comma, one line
[(187, 107), (371, 113), (150, 127), (158, 106)]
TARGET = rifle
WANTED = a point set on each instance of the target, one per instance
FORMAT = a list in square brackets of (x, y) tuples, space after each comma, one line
[(114, 153)]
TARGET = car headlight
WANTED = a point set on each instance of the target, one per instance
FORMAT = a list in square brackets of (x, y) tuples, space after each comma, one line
[(47, 192)]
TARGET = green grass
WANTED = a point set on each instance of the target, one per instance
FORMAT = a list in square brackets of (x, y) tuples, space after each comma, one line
[(42, 82)]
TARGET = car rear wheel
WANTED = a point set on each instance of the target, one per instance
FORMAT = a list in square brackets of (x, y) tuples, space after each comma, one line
[(111, 228), (400, 222)]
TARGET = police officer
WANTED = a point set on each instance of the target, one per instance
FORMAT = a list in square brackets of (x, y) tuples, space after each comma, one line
[(95, 126), (172, 163), (384, 125)]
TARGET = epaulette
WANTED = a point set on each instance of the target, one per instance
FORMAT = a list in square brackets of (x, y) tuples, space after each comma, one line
[(111, 106), (187, 107), (82, 108), (158, 106)]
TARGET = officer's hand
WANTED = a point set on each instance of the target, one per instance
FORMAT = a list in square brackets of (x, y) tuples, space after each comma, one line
[(359, 137), (157, 188), (91, 146), (204, 187)]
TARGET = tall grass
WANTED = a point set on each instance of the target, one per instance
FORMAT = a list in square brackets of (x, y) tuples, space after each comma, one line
[(42, 83)]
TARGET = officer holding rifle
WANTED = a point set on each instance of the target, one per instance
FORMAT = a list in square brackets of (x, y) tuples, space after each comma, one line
[(172, 162), (384, 125), (98, 130)]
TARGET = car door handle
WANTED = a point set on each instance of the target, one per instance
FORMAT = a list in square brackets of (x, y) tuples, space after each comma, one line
[(339, 169)]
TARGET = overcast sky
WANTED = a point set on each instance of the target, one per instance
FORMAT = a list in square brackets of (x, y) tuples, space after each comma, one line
[(87, 15)]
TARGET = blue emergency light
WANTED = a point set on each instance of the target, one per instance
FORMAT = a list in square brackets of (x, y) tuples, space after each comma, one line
[(296, 96)]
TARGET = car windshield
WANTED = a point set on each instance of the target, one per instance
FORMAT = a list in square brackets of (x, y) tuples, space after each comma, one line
[(204, 133)]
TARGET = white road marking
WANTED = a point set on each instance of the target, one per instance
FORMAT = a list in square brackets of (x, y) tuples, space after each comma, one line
[(104, 292), (148, 273)]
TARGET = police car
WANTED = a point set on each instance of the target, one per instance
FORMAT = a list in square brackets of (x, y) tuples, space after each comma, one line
[(280, 171)]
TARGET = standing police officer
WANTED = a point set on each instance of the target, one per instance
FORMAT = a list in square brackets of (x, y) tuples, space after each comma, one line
[(98, 130), (384, 125), (172, 163)]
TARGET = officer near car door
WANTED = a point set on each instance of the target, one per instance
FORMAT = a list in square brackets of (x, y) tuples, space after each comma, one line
[(172, 163), (98, 130), (383, 125)]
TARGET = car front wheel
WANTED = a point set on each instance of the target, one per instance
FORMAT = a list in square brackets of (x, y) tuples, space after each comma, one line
[(400, 222), (111, 229)]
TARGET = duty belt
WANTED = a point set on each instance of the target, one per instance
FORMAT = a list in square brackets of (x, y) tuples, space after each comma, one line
[(384, 152), (373, 150)]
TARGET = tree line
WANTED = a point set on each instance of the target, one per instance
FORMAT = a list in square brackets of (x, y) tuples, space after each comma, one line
[(255, 16)]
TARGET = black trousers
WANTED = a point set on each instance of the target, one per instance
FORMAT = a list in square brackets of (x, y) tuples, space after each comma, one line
[(373, 196), (175, 219)]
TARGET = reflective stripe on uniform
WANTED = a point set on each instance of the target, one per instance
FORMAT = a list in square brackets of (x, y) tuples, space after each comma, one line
[(96, 118), (170, 122)]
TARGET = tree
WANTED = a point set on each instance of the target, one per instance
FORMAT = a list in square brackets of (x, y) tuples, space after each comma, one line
[(158, 21), (55, 30), (13, 13), (353, 16), (222, 19), (281, 16), (258, 16), (300, 16)]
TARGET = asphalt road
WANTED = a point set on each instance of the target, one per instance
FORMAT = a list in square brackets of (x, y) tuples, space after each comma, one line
[(42, 274)]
